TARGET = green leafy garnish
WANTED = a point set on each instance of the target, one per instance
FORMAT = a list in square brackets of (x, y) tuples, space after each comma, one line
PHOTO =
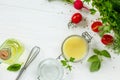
[(110, 15), (105, 54), (92, 11), (87, 1), (96, 51), (72, 59), (69, 67), (93, 58), (66, 63), (96, 59), (95, 66), (14, 67)]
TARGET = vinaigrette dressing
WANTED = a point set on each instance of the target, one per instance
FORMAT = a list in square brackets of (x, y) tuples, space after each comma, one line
[(75, 47)]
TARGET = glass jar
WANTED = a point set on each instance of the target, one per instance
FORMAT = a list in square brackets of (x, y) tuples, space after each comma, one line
[(10, 51), (76, 46), (50, 69)]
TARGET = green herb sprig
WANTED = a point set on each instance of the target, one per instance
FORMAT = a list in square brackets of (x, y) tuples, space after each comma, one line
[(66, 63), (110, 15), (96, 59)]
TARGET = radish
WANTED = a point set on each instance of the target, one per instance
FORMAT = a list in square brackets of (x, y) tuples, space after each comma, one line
[(78, 4), (75, 19)]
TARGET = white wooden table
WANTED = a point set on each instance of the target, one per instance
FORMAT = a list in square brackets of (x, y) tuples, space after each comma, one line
[(38, 22)]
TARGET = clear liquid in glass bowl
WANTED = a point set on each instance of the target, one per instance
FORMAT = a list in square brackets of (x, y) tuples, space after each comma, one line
[(50, 69)]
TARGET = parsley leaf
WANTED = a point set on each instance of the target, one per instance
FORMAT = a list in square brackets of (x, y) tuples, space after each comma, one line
[(72, 59), (69, 67), (110, 15), (64, 63), (87, 0), (92, 11)]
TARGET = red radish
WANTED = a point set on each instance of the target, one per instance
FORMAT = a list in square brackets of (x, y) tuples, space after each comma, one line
[(78, 4), (95, 25), (76, 18), (107, 39)]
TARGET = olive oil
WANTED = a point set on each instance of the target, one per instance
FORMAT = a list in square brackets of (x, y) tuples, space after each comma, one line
[(10, 51)]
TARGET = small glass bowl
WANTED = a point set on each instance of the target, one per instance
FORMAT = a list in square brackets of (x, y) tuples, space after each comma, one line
[(50, 69)]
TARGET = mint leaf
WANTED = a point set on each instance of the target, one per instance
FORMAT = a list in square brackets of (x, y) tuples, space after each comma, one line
[(96, 51), (93, 58), (14, 67), (105, 53), (95, 66), (72, 59), (64, 63)]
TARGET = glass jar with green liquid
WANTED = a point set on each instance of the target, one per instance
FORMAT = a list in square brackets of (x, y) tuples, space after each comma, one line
[(10, 51)]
